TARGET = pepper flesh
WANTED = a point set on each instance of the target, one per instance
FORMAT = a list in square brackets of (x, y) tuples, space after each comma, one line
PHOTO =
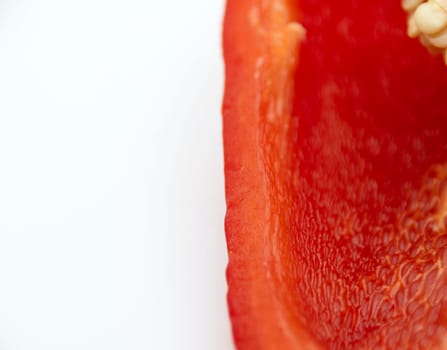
[(336, 169)]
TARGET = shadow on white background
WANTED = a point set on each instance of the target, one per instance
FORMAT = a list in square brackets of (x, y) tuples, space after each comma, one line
[(111, 176)]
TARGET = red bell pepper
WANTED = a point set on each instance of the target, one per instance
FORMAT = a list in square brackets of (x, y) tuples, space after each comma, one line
[(336, 177)]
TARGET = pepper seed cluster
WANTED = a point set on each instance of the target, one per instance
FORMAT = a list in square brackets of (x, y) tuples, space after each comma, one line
[(427, 20)]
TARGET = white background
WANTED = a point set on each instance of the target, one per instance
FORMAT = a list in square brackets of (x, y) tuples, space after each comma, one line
[(111, 180)]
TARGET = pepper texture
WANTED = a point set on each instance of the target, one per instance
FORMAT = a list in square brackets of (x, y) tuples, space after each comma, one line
[(260, 48), (335, 139)]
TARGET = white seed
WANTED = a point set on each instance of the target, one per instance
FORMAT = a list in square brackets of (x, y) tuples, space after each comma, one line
[(423, 40), (439, 39), (432, 49), (412, 28), (441, 3), (430, 17), (410, 5), (427, 20)]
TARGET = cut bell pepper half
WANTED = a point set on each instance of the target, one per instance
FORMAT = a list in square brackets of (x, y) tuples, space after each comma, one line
[(335, 144)]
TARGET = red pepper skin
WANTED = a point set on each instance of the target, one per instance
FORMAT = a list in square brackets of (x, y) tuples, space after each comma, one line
[(336, 178)]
